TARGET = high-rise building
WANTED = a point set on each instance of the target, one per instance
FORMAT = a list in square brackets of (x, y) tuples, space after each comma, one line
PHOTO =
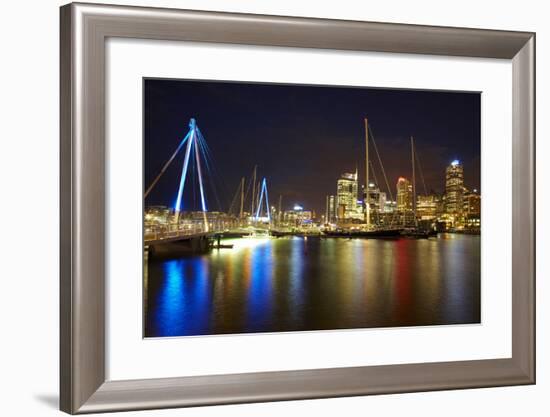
[(454, 190), (472, 203), (404, 195), (346, 196), (330, 210), (472, 210), (376, 198)]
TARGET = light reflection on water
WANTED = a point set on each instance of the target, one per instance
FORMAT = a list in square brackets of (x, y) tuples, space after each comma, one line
[(266, 285)]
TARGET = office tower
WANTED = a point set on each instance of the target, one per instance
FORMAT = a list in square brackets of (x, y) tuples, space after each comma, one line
[(330, 209), (404, 194), (346, 196), (472, 210), (454, 189)]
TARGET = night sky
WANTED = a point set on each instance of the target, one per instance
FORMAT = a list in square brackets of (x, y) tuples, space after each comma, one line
[(303, 137)]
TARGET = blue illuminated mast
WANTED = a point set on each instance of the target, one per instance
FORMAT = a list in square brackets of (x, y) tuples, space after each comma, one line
[(191, 134), (193, 145), (263, 193)]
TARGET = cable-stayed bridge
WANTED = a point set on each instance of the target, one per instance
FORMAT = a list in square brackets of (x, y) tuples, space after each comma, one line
[(202, 225)]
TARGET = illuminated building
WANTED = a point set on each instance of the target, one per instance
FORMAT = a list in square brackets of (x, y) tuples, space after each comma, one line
[(340, 211), (381, 201), (440, 205), (472, 210), (390, 206), (472, 204), (377, 203), (330, 210), (426, 207), (454, 190), (346, 196), (404, 195), (376, 198), (157, 214), (297, 216)]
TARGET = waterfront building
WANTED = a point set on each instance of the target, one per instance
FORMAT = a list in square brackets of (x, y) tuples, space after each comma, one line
[(360, 210), (340, 212), (390, 206), (330, 209), (381, 201), (404, 195), (440, 205), (472, 210), (297, 217), (377, 203), (454, 190), (346, 196), (376, 198), (157, 214), (426, 207)]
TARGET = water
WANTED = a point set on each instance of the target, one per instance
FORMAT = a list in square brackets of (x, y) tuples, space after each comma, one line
[(286, 284)]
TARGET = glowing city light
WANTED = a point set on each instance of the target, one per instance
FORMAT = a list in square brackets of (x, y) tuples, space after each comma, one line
[(455, 162), (298, 207)]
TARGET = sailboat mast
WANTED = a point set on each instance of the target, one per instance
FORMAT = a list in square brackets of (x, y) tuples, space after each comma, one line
[(413, 181), (279, 214), (258, 194), (367, 203), (242, 198), (253, 190)]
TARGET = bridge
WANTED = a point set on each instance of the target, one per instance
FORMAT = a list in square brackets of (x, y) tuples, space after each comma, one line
[(195, 229), (157, 234)]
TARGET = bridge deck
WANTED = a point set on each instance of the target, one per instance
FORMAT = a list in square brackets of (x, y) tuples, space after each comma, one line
[(154, 235), (175, 237)]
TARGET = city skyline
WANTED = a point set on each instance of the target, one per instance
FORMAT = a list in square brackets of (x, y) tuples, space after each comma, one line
[(304, 151), (458, 208)]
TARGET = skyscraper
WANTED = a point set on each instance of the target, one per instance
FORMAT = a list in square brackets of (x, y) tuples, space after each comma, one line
[(454, 189), (346, 196), (404, 194), (376, 198), (472, 210), (330, 210)]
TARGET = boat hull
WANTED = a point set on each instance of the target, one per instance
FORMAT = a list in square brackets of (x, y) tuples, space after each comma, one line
[(366, 234), (419, 234)]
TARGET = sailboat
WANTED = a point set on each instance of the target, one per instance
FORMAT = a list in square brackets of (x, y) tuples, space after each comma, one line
[(369, 230)]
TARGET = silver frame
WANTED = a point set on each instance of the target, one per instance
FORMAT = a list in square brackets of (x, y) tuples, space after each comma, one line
[(84, 30)]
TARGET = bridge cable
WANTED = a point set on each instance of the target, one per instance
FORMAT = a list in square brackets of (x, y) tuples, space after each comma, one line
[(166, 165), (211, 168)]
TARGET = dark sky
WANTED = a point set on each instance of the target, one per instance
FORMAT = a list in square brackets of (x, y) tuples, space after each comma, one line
[(303, 137)]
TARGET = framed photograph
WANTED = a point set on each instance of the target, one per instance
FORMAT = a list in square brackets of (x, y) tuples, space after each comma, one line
[(259, 208)]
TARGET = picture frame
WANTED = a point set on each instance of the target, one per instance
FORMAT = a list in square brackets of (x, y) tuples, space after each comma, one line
[(83, 33)]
